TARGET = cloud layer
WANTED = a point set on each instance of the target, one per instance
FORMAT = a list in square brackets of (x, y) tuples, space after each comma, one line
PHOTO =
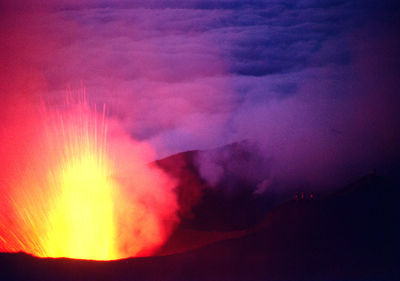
[(311, 83)]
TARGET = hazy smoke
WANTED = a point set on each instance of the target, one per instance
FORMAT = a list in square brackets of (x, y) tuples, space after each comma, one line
[(311, 84), (340, 124)]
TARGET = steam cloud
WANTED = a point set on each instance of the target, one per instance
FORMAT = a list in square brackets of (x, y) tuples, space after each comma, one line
[(312, 84)]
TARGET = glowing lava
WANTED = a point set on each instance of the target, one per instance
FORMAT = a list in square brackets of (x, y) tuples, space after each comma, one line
[(73, 184)]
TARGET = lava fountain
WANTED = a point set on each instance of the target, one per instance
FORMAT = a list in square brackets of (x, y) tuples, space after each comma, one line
[(74, 184)]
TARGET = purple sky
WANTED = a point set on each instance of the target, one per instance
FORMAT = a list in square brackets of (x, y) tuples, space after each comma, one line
[(313, 84)]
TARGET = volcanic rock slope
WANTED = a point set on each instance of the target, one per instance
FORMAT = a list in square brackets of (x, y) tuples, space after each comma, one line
[(349, 235)]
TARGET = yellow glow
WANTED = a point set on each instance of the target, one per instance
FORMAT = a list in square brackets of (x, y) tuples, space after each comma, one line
[(71, 188), (81, 225), (78, 193)]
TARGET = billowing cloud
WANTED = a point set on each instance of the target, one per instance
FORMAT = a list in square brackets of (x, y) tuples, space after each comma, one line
[(304, 80)]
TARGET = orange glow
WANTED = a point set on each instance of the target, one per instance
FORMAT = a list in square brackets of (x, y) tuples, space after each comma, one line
[(74, 185)]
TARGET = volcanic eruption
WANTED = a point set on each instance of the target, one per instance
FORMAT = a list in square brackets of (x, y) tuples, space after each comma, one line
[(74, 184)]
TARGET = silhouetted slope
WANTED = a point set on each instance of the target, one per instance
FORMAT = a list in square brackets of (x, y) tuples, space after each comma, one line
[(185, 239), (350, 235), (231, 204), (190, 186)]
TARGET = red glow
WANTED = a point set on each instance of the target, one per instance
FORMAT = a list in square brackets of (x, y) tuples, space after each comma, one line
[(74, 184)]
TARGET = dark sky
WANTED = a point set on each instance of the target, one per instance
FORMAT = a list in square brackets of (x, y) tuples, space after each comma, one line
[(313, 83)]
